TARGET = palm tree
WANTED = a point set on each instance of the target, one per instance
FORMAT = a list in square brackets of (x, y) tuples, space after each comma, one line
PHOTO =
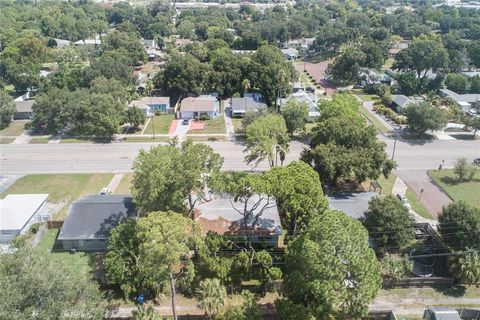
[(211, 296), (145, 314), (466, 267)]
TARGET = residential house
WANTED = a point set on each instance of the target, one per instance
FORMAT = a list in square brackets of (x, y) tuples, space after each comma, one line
[(154, 54), (290, 53), (18, 212), (399, 102), (243, 52), (467, 102), (196, 107), (151, 105), (60, 43), (301, 95), (23, 107), (353, 204), (90, 220), (239, 106), (88, 42), (223, 216), (149, 44), (182, 43)]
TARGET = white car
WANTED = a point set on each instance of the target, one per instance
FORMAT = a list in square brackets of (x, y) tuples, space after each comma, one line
[(105, 191), (405, 201)]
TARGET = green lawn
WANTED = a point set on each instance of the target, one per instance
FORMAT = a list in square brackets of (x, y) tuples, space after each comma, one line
[(161, 124), (465, 191), (63, 189), (417, 206), (4, 140), (368, 97), (15, 128), (387, 183), (389, 63), (206, 138), (39, 140), (78, 262), (237, 125), (216, 125), (147, 139), (373, 120), (124, 185)]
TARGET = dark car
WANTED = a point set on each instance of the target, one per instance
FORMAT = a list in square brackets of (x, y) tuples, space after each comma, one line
[(185, 122), (476, 161)]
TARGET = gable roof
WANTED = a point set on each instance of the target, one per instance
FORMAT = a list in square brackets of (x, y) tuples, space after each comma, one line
[(353, 204), (145, 102), (198, 104), (401, 100), (247, 104), (17, 209), (93, 217)]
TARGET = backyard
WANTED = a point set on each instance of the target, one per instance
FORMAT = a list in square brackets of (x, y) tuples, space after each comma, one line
[(212, 126), (159, 124), (465, 191), (63, 189)]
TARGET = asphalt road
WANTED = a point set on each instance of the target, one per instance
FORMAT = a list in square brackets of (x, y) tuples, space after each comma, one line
[(413, 160)]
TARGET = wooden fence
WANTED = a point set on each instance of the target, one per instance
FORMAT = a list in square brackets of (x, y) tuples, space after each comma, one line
[(433, 282)]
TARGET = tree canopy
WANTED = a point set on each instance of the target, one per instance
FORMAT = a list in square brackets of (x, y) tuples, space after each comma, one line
[(7, 109), (460, 225), (422, 117), (331, 255)]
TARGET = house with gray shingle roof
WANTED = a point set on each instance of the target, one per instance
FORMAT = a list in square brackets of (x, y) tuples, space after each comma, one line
[(90, 220), (465, 101), (239, 106)]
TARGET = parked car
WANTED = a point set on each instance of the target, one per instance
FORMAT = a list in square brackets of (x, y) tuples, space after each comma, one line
[(185, 122), (476, 161), (405, 201), (105, 191)]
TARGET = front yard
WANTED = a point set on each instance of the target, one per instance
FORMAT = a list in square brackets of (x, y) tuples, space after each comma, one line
[(63, 189), (124, 185), (465, 191), (212, 126), (159, 124), (237, 125), (15, 129)]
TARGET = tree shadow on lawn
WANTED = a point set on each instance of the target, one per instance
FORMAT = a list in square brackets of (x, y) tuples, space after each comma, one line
[(455, 291)]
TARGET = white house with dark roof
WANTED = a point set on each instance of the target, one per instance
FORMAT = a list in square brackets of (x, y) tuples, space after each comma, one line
[(151, 105), (18, 212), (290, 53), (196, 107), (301, 95), (90, 220)]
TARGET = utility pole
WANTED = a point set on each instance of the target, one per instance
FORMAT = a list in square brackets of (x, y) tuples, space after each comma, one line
[(395, 143)]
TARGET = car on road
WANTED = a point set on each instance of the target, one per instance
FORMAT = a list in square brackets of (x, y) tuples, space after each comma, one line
[(185, 122), (476, 161), (105, 191), (404, 200)]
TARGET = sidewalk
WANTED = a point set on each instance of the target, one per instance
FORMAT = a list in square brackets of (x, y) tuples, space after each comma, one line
[(113, 184)]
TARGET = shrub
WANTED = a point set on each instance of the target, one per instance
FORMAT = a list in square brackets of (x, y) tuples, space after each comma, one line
[(463, 170), (396, 267), (35, 227)]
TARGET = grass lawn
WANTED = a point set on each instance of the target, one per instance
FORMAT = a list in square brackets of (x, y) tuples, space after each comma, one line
[(373, 120), (124, 185), (39, 140), (389, 63), (417, 206), (147, 139), (161, 124), (309, 126), (78, 262), (63, 189), (212, 126), (15, 128), (4, 140), (465, 191), (206, 138), (456, 291), (368, 97), (237, 125)]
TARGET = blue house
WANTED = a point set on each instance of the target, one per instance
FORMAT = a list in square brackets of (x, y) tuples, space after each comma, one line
[(151, 105)]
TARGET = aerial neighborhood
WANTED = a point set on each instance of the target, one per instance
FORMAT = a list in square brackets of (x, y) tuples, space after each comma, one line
[(240, 160)]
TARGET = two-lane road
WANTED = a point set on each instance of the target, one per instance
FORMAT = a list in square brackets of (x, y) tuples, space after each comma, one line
[(413, 160)]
